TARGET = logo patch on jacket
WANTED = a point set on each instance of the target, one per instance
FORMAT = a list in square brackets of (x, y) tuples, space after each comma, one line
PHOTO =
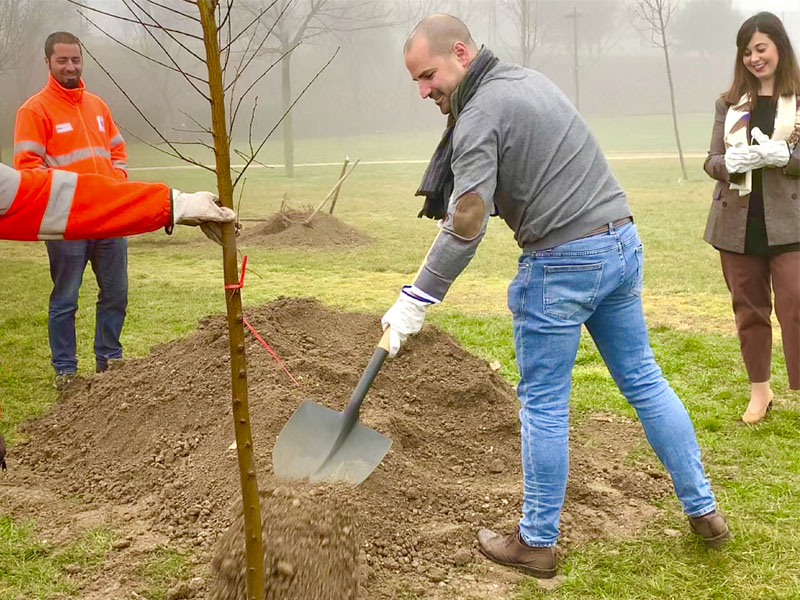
[(63, 127), (100, 123)]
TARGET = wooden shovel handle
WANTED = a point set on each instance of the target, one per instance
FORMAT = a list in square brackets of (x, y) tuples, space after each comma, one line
[(384, 343)]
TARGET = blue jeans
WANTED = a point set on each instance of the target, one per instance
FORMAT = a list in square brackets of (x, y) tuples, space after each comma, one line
[(595, 281), (68, 258)]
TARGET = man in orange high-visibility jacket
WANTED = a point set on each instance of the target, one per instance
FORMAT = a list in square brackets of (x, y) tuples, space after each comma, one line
[(66, 127), (54, 205), (47, 205)]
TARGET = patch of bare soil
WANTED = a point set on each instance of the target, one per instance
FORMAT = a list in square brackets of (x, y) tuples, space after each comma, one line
[(154, 435), (288, 229), (310, 550)]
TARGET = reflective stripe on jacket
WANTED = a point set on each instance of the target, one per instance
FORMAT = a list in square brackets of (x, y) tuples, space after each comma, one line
[(70, 130), (48, 204)]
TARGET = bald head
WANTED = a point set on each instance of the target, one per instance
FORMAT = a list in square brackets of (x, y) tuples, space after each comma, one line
[(441, 32)]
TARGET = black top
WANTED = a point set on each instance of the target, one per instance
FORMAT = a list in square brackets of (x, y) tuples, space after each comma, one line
[(763, 117)]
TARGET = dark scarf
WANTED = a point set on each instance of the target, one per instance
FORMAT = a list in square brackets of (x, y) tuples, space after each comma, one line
[(437, 183)]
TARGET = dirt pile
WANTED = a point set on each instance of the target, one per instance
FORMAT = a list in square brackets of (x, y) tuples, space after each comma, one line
[(156, 434), (288, 228), (310, 550)]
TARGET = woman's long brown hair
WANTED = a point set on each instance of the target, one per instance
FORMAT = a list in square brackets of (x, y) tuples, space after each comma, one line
[(787, 74)]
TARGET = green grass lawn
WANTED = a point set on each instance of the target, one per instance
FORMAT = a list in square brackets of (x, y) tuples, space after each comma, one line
[(174, 281)]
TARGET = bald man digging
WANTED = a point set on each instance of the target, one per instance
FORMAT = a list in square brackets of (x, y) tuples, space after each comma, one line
[(516, 148)]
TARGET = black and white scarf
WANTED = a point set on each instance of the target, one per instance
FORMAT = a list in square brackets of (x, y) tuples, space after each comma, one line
[(437, 183)]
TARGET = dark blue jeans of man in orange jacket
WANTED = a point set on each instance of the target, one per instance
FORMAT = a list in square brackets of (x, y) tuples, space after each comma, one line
[(68, 258)]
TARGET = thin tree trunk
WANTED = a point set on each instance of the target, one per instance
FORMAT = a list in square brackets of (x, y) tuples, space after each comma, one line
[(672, 102), (288, 131), (526, 55), (233, 301)]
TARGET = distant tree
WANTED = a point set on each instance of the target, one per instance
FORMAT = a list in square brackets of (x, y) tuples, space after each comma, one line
[(599, 29), (602, 25), (525, 14), (706, 26), (298, 21), (651, 18), (412, 12), (21, 23)]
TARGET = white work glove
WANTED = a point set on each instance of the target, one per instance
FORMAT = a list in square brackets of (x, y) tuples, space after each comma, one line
[(406, 316), (201, 208), (740, 159), (775, 153)]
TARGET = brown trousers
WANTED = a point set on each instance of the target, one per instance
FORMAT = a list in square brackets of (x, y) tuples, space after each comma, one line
[(748, 279)]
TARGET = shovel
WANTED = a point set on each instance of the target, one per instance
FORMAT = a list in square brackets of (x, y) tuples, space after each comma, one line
[(322, 444)]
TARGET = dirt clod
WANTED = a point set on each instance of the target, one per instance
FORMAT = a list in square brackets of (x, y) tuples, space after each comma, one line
[(462, 556), (497, 466)]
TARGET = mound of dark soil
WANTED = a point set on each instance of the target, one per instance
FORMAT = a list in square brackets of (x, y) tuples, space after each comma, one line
[(156, 434), (288, 229), (310, 550)]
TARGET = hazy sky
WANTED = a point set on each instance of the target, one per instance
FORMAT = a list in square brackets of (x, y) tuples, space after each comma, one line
[(776, 6)]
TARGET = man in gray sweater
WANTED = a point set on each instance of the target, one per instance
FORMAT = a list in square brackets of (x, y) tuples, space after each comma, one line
[(516, 147)]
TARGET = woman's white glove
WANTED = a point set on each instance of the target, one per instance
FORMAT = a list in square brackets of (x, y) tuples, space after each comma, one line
[(775, 153), (740, 159), (201, 208), (406, 316)]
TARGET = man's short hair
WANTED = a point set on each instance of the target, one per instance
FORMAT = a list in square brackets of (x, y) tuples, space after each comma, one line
[(59, 37), (441, 31)]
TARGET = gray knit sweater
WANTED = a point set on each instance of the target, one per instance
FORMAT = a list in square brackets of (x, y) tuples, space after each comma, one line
[(521, 145)]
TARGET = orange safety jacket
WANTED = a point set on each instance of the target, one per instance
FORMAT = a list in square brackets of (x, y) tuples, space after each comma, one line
[(70, 130), (49, 204)]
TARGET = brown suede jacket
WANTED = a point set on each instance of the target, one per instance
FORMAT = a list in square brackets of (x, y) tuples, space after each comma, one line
[(727, 221)]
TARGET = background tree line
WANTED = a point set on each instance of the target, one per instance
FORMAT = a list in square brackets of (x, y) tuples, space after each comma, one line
[(366, 89)]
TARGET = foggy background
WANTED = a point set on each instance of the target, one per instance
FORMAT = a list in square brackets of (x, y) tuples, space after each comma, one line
[(366, 89)]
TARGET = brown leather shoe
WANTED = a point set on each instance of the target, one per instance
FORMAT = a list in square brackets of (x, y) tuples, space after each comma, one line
[(510, 551), (712, 528)]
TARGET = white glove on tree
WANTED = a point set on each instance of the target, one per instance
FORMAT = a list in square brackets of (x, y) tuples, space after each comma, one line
[(406, 316), (774, 152), (201, 208), (740, 159)]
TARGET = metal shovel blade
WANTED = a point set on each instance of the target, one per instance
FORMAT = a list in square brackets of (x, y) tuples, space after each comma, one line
[(322, 444), (308, 439)]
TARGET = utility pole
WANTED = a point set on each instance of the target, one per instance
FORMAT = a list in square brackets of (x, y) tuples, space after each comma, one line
[(575, 15)]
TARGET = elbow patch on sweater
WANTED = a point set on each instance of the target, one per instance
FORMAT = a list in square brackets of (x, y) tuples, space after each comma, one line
[(468, 216)]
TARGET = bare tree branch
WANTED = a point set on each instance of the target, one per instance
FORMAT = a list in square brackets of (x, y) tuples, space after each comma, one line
[(168, 54), (177, 155), (302, 93), (250, 128), (651, 19), (153, 127), (159, 26), (142, 54), (121, 18), (226, 18), (224, 23), (257, 51), (249, 25), (174, 10), (202, 127), (252, 85)]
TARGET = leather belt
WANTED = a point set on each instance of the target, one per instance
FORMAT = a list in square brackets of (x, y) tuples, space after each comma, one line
[(604, 228)]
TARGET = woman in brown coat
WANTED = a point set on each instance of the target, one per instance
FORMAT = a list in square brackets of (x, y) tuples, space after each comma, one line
[(755, 215)]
